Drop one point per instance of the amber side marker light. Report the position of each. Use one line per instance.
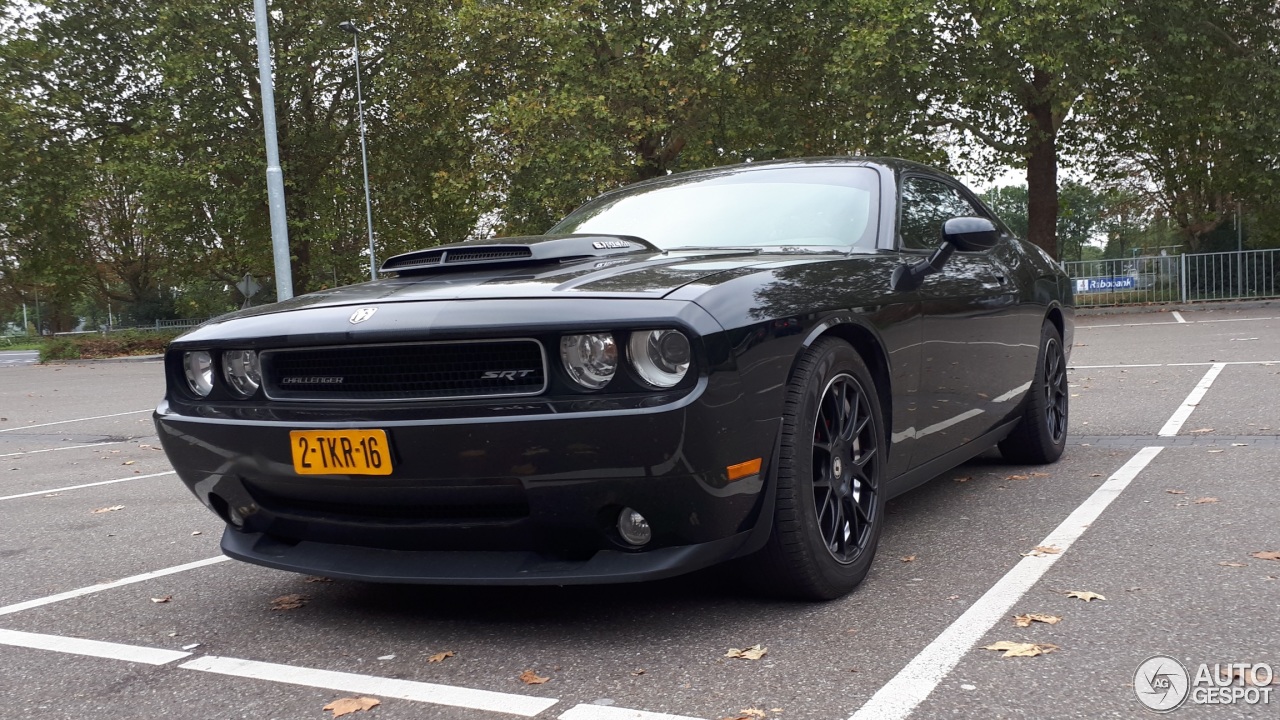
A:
(745, 469)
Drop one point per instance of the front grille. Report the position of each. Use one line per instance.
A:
(420, 371)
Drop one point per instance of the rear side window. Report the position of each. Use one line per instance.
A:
(926, 205)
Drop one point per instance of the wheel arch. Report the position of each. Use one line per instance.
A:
(1055, 316)
(867, 344)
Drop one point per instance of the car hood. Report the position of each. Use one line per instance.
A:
(640, 271)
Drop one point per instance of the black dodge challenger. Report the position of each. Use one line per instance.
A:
(737, 363)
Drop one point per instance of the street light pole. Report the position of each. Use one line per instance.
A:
(275, 177)
(350, 26)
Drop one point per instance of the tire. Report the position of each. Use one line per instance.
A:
(830, 502)
(1041, 434)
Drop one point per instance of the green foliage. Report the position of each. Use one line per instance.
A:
(106, 345)
(131, 161)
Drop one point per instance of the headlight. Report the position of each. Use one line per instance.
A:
(199, 369)
(660, 357)
(591, 360)
(241, 369)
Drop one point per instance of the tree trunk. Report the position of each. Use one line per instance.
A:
(1042, 168)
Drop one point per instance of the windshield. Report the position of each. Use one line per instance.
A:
(769, 207)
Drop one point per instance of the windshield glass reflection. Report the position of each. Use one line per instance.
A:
(767, 207)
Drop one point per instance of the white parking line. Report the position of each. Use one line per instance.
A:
(371, 685)
(1080, 326)
(604, 712)
(86, 485)
(64, 422)
(27, 605)
(1178, 316)
(900, 696)
(92, 648)
(1191, 364)
(1180, 415)
(69, 447)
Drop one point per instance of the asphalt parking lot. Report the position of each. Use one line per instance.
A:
(115, 601)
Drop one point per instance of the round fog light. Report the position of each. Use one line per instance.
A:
(633, 528)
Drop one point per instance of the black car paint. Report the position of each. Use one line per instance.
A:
(576, 458)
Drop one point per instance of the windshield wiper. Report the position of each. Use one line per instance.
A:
(704, 248)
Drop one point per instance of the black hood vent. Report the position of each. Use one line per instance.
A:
(533, 249)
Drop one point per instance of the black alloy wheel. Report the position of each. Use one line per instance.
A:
(1041, 434)
(844, 489)
(1055, 390)
(829, 505)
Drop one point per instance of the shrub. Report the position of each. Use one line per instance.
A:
(109, 345)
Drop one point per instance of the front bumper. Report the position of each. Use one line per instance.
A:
(490, 495)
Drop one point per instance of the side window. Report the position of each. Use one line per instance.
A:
(926, 205)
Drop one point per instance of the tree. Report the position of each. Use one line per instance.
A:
(1196, 125)
(1007, 74)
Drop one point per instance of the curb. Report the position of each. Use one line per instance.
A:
(126, 359)
(1208, 306)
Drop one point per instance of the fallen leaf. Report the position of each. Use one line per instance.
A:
(1217, 451)
(1040, 474)
(52, 495)
(192, 646)
(314, 579)
(529, 677)
(908, 558)
(392, 656)
(1042, 550)
(106, 509)
(1018, 477)
(196, 532)
(755, 652)
(963, 479)
(1202, 430)
(127, 462)
(440, 657)
(1266, 554)
(1017, 649)
(348, 705)
(1228, 563)
(1084, 595)
(639, 671)
(1095, 474)
(1176, 492)
(289, 602)
(1205, 500)
(1239, 444)
(1026, 620)
(753, 713)
(163, 599)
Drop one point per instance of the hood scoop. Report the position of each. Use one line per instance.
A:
(527, 250)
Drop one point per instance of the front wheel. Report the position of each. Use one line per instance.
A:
(830, 501)
(1041, 434)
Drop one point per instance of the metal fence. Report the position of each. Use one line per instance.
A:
(1247, 274)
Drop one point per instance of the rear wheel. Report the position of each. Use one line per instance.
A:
(830, 505)
(1041, 434)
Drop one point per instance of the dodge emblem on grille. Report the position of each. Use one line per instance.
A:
(361, 315)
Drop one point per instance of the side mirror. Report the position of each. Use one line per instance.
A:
(966, 234)
(970, 234)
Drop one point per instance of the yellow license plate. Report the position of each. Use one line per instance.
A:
(340, 452)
